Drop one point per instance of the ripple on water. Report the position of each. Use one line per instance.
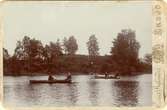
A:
(85, 91)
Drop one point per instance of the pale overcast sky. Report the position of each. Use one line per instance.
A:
(47, 22)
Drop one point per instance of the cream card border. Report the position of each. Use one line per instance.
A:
(159, 50)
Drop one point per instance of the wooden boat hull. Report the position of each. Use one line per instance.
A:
(102, 77)
(49, 82)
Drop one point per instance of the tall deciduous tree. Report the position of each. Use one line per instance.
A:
(125, 51)
(148, 59)
(35, 49)
(6, 55)
(92, 44)
(52, 53)
(19, 51)
(65, 45)
(30, 50)
(46, 53)
(55, 48)
(93, 50)
(72, 45)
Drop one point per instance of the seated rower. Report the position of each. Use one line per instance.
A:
(117, 74)
(68, 76)
(50, 78)
(106, 75)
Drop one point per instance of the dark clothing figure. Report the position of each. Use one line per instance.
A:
(117, 74)
(50, 78)
(106, 75)
(69, 76)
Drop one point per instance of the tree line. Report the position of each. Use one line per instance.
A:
(31, 57)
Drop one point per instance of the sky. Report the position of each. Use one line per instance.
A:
(50, 21)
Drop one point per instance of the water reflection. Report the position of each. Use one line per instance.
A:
(127, 93)
(72, 94)
(85, 91)
(93, 92)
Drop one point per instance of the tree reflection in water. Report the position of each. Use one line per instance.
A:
(85, 91)
(93, 92)
(126, 93)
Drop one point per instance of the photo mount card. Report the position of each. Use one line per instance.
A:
(64, 55)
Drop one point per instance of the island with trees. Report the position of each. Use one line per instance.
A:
(31, 57)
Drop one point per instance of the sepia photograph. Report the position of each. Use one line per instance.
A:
(77, 54)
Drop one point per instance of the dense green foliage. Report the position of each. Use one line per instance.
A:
(31, 57)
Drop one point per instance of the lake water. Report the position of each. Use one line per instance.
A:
(85, 91)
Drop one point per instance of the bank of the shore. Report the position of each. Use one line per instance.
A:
(73, 73)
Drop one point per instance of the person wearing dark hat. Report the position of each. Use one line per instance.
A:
(50, 78)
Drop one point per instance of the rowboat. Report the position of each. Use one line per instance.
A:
(109, 77)
(49, 81)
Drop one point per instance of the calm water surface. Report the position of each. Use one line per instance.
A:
(85, 91)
